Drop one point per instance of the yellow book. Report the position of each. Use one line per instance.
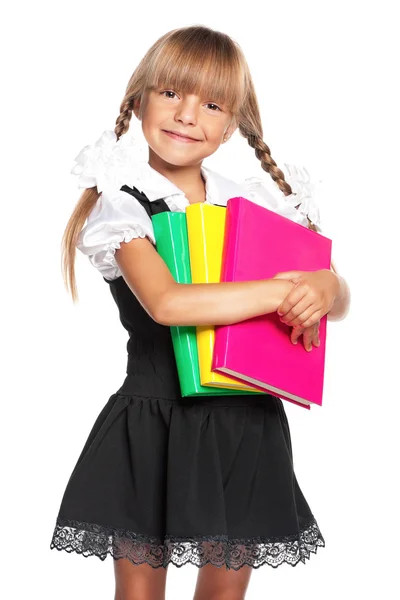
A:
(206, 229)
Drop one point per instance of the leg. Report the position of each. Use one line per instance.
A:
(138, 582)
(216, 583)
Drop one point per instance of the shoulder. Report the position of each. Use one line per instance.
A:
(116, 217)
(117, 206)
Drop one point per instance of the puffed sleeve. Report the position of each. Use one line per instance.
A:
(116, 217)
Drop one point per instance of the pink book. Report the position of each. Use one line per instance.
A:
(258, 244)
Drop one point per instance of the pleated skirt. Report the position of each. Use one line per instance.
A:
(188, 481)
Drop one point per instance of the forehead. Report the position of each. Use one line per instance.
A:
(210, 79)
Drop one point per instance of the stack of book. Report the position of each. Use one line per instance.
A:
(243, 242)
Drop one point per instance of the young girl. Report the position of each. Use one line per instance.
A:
(163, 479)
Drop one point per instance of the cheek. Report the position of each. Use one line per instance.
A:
(215, 133)
(152, 114)
(150, 127)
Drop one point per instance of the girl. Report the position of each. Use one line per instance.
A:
(163, 479)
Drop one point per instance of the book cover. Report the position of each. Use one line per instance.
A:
(258, 244)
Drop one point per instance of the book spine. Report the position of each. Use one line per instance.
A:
(196, 230)
(227, 274)
(230, 248)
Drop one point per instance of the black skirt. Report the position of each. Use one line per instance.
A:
(187, 481)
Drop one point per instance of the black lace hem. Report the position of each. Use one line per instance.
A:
(90, 539)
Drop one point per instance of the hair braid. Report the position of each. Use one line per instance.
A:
(84, 207)
(250, 127)
(263, 153)
(125, 115)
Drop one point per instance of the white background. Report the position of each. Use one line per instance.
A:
(326, 75)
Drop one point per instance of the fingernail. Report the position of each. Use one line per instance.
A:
(295, 342)
(280, 313)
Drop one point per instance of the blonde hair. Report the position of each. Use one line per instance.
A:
(193, 59)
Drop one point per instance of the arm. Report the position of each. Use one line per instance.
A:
(171, 303)
(341, 304)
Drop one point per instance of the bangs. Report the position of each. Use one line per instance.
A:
(209, 66)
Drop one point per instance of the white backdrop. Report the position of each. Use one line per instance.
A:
(326, 77)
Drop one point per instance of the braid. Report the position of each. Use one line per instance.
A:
(250, 127)
(125, 115)
(263, 153)
(85, 205)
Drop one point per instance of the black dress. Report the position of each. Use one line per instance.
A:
(164, 479)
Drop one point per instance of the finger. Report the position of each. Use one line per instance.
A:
(301, 290)
(311, 333)
(292, 318)
(311, 336)
(295, 334)
(302, 319)
(307, 338)
(313, 319)
(294, 296)
(315, 340)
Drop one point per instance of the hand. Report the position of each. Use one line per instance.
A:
(310, 336)
(311, 298)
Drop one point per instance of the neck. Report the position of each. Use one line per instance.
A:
(186, 178)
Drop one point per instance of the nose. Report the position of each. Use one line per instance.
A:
(187, 110)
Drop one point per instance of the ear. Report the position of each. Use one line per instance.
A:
(136, 108)
(230, 130)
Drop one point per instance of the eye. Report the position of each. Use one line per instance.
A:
(215, 105)
(168, 92)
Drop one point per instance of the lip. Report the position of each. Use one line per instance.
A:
(180, 137)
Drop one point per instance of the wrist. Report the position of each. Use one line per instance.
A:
(281, 288)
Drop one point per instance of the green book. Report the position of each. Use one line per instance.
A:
(170, 232)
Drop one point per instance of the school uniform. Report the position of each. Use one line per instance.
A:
(164, 479)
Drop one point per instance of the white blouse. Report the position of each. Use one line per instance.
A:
(118, 217)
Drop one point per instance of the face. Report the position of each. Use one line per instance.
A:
(204, 122)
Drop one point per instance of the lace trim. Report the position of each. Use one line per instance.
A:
(90, 539)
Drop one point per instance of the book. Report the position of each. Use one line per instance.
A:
(258, 244)
(170, 232)
(206, 229)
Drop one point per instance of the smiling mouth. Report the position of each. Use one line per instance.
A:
(178, 136)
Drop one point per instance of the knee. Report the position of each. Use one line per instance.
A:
(138, 582)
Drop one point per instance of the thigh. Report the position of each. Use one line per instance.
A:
(138, 582)
(216, 583)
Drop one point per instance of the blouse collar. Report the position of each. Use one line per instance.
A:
(217, 187)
